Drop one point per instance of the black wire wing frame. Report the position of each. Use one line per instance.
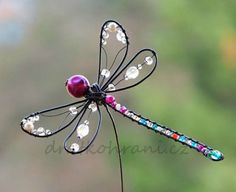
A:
(83, 104)
(67, 147)
(61, 127)
(118, 74)
(102, 51)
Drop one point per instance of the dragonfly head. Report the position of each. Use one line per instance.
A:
(77, 86)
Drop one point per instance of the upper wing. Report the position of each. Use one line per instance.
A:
(51, 121)
(113, 50)
(139, 68)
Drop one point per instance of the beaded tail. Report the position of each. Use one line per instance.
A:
(207, 151)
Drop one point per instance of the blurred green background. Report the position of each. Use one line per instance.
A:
(42, 43)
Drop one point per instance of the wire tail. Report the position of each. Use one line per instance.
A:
(207, 151)
(118, 147)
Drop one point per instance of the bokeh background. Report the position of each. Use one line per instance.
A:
(42, 43)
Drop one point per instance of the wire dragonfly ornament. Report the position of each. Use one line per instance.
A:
(114, 75)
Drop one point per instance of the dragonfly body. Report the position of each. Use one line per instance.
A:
(114, 74)
(210, 153)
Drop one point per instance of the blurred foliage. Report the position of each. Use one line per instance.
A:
(193, 91)
(204, 39)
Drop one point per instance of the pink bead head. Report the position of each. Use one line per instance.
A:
(77, 86)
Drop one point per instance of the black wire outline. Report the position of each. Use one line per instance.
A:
(51, 109)
(54, 115)
(122, 79)
(118, 147)
(100, 48)
(58, 107)
(106, 58)
(75, 127)
(125, 67)
(86, 102)
(114, 60)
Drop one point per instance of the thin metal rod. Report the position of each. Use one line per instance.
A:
(118, 147)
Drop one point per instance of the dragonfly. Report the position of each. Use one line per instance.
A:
(116, 73)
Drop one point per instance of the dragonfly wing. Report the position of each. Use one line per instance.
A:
(139, 68)
(112, 51)
(84, 131)
(51, 121)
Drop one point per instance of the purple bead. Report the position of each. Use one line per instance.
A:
(77, 85)
(123, 109)
(110, 99)
(201, 148)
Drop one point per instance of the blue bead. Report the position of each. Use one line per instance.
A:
(154, 126)
(143, 121)
(193, 144)
(216, 155)
(182, 139)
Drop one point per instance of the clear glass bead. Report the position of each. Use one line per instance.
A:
(41, 131)
(105, 73)
(48, 132)
(118, 106)
(73, 110)
(111, 87)
(93, 107)
(124, 40)
(31, 119)
(120, 36)
(131, 73)
(104, 42)
(105, 34)
(140, 66)
(74, 147)
(112, 27)
(119, 30)
(168, 133)
(189, 142)
(28, 126)
(24, 121)
(82, 130)
(36, 118)
(148, 60)
(86, 122)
